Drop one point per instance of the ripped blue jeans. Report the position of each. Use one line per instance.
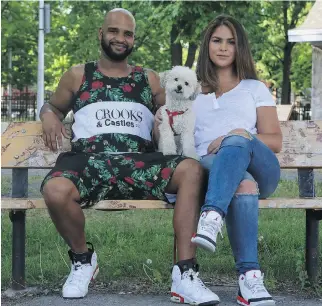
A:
(240, 159)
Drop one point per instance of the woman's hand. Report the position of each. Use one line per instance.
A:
(241, 132)
(215, 145)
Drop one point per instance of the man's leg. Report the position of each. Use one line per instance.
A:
(188, 182)
(61, 198)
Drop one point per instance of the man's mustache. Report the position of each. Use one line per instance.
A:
(119, 44)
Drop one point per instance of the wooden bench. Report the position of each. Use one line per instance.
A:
(23, 149)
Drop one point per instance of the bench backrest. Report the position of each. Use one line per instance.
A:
(284, 112)
(23, 147)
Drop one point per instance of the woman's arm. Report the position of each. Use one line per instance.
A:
(268, 128)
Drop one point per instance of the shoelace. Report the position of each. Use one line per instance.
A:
(193, 276)
(213, 227)
(77, 275)
(257, 284)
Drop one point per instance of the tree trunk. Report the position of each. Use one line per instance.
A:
(176, 48)
(286, 85)
(191, 55)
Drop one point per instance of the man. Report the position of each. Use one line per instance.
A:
(113, 157)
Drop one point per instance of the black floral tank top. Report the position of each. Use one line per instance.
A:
(113, 114)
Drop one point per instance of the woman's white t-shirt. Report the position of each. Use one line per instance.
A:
(235, 109)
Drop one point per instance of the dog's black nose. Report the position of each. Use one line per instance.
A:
(179, 87)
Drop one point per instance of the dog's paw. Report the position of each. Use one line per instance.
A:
(192, 155)
(195, 156)
(169, 152)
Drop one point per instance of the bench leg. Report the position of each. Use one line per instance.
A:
(18, 219)
(312, 245)
(306, 188)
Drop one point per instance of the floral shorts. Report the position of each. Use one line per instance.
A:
(102, 176)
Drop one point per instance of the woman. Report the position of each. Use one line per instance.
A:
(237, 133)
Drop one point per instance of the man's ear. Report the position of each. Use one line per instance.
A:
(196, 92)
(164, 78)
(100, 33)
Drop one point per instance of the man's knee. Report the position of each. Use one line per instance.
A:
(247, 187)
(59, 190)
(190, 168)
(188, 172)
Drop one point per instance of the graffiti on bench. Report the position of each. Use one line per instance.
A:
(23, 146)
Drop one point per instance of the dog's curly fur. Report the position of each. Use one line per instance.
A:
(181, 89)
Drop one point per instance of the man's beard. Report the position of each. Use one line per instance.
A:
(118, 57)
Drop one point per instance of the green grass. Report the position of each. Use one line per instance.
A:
(126, 240)
(5, 185)
(33, 182)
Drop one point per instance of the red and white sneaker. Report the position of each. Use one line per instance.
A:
(252, 291)
(84, 269)
(188, 288)
(209, 225)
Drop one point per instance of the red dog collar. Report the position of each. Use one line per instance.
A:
(173, 114)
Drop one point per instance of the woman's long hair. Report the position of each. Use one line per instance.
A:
(244, 67)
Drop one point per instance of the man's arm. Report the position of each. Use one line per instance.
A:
(158, 99)
(60, 104)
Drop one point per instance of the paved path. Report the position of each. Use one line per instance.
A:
(226, 294)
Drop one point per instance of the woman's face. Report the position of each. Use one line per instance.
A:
(222, 49)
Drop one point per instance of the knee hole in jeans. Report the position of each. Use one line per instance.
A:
(247, 187)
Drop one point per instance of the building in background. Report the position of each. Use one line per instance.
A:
(311, 31)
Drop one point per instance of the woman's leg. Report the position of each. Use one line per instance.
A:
(242, 225)
(242, 216)
(238, 154)
(242, 228)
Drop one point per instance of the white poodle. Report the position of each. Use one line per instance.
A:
(178, 120)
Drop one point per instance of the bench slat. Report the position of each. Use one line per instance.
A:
(23, 204)
(22, 145)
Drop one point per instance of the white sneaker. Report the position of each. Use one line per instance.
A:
(188, 288)
(252, 291)
(84, 270)
(210, 224)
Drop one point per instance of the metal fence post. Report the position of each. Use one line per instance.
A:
(18, 219)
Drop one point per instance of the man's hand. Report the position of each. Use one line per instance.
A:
(53, 129)
(157, 122)
(214, 146)
(158, 117)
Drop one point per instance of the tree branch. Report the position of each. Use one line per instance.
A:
(296, 12)
(4, 6)
(140, 42)
(274, 54)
